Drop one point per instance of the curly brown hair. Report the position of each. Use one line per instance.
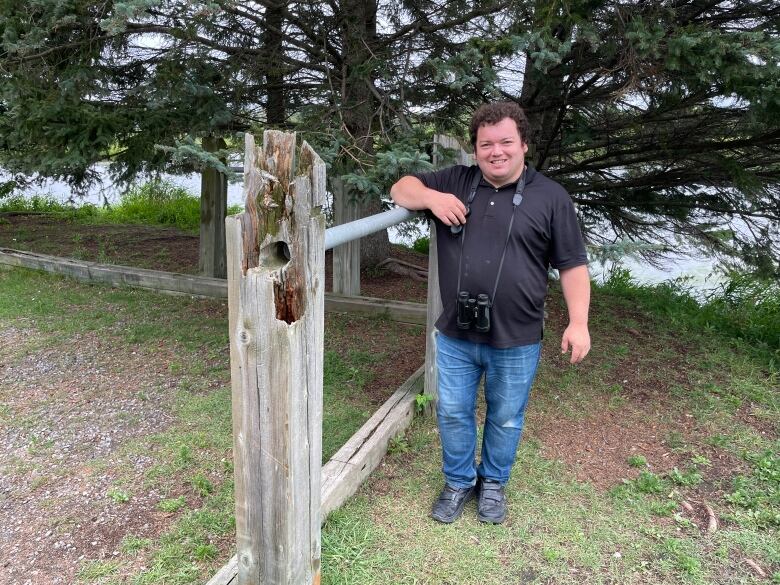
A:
(493, 113)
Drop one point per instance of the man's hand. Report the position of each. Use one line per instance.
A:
(575, 283)
(448, 208)
(411, 193)
(578, 338)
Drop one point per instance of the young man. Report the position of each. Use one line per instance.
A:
(498, 225)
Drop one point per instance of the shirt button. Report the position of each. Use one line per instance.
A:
(492, 203)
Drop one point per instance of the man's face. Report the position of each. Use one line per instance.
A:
(500, 152)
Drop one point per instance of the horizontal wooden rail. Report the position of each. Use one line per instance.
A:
(176, 283)
(360, 455)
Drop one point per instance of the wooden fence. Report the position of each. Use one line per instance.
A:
(276, 303)
(275, 289)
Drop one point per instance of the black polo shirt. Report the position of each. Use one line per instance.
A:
(545, 232)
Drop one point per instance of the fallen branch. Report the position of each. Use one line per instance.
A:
(404, 269)
(712, 524)
(756, 569)
(687, 507)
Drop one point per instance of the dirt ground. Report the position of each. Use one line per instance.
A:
(86, 402)
(166, 249)
(80, 406)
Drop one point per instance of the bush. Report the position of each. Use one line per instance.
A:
(746, 307)
(422, 245)
(157, 203)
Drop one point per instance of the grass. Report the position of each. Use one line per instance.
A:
(710, 389)
(746, 308)
(191, 464)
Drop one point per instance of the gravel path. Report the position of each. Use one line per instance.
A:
(66, 410)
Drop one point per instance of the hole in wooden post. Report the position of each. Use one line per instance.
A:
(275, 255)
(283, 251)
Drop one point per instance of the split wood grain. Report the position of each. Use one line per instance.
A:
(276, 278)
(349, 467)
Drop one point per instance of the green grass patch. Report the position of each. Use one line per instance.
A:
(158, 203)
(746, 308)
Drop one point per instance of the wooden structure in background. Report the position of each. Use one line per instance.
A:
(213, 209)
(346, 258)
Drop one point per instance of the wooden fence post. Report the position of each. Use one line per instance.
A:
(434, 298)
(346, 258)
(276, 275)
(213, 208)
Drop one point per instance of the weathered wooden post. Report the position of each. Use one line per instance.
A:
(213, 208)
(276, 274)
(434, 298)
(346, 258)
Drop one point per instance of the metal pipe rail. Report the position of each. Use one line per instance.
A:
(354, 230)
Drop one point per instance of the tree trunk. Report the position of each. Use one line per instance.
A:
(213, 209)
(275, 113)
(543, 98)
(358, 105)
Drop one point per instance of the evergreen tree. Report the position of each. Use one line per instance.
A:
(661, 118)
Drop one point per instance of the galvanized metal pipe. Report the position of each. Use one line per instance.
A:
(346, 232)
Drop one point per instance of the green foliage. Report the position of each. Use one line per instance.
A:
(393, 160)
(398, 445)
(156, 203)
(96, 570)
(118, 495)
(133, 544)
(171, 505)
(757, 496)
(421, 401)
(422, 245)
(637, 461)
(153, 203)
(688, 478)
(648, 483)
(6, 188)
(202, 485)
(47, 204)
(682, 554)
(747, 307)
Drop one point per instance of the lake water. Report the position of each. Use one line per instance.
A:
(700, 271)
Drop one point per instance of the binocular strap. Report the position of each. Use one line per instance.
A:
(516, 200)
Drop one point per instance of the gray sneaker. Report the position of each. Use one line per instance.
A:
(491, 503)
(449, 505)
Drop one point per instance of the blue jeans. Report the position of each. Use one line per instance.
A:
(509, 373)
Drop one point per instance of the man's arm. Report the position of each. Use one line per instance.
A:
(575, 283)
(411, 193)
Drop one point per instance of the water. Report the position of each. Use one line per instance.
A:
(700, 271)
(61, 191)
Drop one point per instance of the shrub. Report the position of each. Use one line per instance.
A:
(422, 245)
(157, 203)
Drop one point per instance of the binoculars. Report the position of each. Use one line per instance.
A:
(474, 312)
